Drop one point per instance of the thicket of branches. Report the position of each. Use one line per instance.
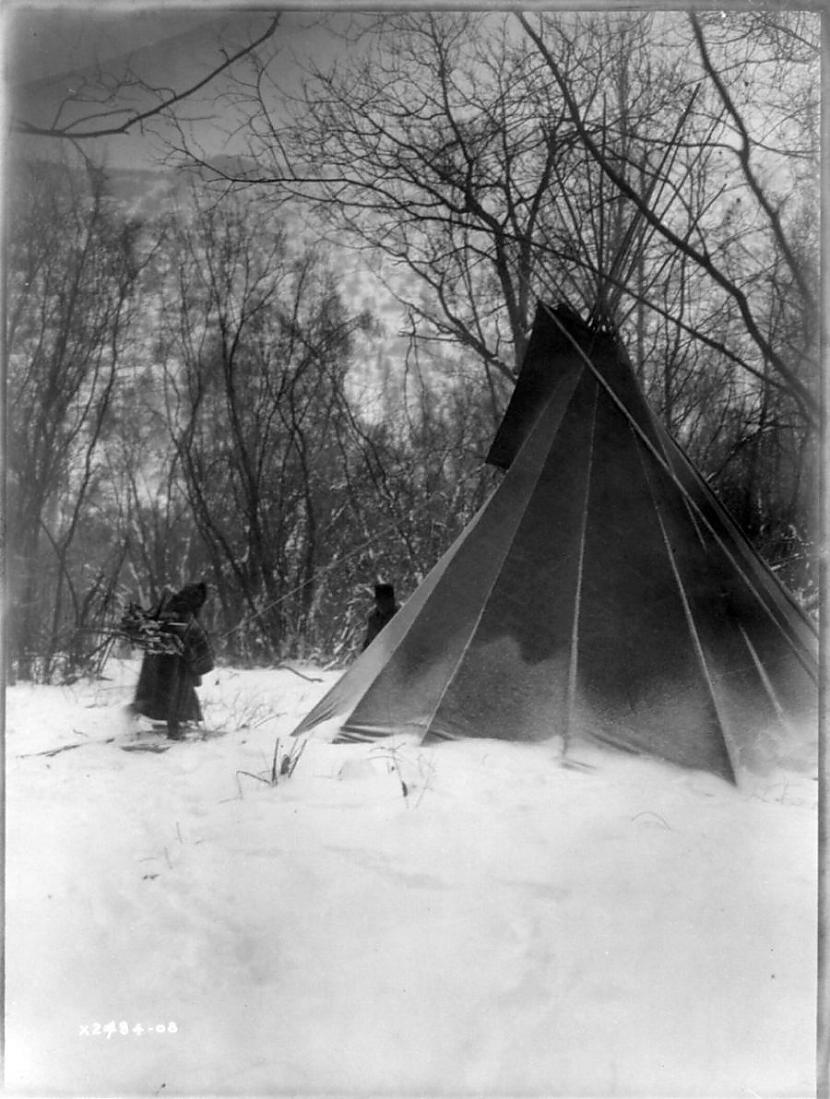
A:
(186, 401)
(187, 391)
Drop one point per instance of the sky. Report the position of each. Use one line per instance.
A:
(50, 52)
(47, 43)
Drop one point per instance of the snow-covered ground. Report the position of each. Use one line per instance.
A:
(508, 926)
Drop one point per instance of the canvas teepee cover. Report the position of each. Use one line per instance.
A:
(602, 591)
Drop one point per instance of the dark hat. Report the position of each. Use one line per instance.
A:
(384, 591)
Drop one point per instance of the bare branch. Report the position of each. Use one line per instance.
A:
(744, 158)
(703, 259)
(72, 130)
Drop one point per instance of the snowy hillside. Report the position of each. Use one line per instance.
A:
(469, 919)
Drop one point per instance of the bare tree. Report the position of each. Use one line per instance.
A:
(484, 161)
(256, 347)
(426, 150)
(444, 148)
(72, 267)
(733, 279)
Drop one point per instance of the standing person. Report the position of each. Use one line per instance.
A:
(384, 611)
(166, 685)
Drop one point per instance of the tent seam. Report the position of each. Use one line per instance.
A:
(690, 621)
(773, 612)
(508, 547)
(573, 659)
(672, 475)
(767, 682)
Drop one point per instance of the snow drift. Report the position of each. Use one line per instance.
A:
(472, 918)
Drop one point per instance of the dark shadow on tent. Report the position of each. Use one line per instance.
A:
(601, 592)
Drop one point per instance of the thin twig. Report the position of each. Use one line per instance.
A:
(250, 774)
(308, 678)
(65, 748)
(294, 758)
(651, 813)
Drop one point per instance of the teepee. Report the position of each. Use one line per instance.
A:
(601, 592)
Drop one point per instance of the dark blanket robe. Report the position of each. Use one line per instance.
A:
(167, 682)
(166, 690)
(379, 618)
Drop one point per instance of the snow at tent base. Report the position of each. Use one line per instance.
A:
(513, 925)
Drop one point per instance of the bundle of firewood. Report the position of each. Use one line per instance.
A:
(144, 631)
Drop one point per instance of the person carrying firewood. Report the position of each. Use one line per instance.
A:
(176, 659)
